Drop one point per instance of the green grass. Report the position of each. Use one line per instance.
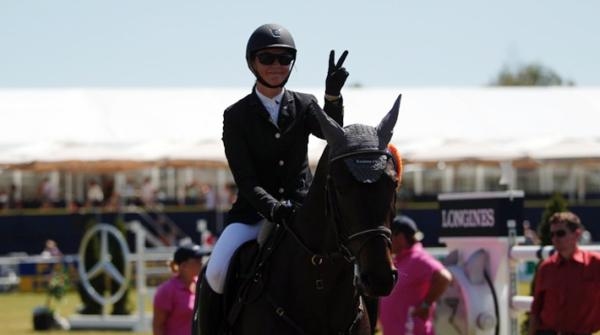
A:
(16, 314)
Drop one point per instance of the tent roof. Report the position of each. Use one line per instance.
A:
(185, 124)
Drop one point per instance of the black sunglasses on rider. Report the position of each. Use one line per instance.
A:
(558, 233)
(267, 58)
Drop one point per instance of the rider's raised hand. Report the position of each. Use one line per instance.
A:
(336, 74)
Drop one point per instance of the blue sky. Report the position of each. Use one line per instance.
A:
(201, 43)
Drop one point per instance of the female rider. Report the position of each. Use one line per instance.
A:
(265, 135)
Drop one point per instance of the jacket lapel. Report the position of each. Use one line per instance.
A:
(287, 112)
(260, 109)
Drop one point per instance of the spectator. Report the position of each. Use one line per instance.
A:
(128, 192)
(51, 249)
(409, 309)
(181, 195)
(95, 195)
(3, 199)
(209, 197)
(174, 299)
(14, 199)
(148, 193)
(191, 193)
(530, 234)
(566, 298)
(47, 193)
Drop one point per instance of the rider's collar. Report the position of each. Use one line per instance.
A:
(266, 101)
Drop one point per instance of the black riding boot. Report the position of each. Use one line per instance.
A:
(208, 315)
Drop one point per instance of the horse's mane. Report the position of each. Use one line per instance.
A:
(317, 185)
(398, 160)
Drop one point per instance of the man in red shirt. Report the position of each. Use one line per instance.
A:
(566, 300)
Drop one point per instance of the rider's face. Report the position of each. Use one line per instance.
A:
(274, 73)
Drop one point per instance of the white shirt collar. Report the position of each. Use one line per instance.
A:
(268, 101)
(271, 105)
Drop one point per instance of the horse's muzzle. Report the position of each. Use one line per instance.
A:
(378, 285)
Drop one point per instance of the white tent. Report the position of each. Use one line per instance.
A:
(184, 124)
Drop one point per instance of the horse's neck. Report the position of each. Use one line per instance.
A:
(329, 296)
(314, 224)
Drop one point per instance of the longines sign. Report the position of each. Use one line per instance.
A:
(480, 214)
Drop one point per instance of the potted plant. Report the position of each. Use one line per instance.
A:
(46, 317)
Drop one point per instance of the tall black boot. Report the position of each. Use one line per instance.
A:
(209, 314)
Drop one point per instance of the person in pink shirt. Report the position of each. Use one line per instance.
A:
(174, 299)
(422, 279)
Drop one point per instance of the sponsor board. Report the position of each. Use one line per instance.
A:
(480, 214)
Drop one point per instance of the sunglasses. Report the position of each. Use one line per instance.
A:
(558, 233)
(267, 58)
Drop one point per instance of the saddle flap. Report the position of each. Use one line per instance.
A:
(240, 269)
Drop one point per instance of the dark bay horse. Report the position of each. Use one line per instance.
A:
(336, 249)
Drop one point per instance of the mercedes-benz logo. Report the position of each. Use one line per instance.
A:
(104, 264)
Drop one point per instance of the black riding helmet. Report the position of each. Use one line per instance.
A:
(269, 36)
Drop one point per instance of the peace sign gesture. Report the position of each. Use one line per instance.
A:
(336, 74)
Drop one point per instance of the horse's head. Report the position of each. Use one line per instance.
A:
(361, 189)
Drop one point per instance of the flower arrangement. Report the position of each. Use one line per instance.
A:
(58, 286)
(46, 317)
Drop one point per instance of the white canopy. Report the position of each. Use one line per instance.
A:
(170, 124)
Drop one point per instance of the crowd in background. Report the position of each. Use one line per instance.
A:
(101, 192)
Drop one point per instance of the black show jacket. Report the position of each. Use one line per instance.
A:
(269, 162)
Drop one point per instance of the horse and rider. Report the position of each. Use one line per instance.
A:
(324, 239)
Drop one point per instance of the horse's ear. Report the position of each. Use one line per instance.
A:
(385, 129)
(332, 131)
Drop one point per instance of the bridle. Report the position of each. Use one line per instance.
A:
(331, 207)
(342, 241)
(365, 235)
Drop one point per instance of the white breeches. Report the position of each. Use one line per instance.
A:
(234, 235)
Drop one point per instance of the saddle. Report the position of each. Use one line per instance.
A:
(248, 272)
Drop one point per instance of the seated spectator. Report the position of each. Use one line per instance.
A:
(51, 249)
(47, 193)
(95, 195)
(3, 199)
(148, 193)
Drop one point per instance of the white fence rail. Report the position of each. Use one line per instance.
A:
(531, 253)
